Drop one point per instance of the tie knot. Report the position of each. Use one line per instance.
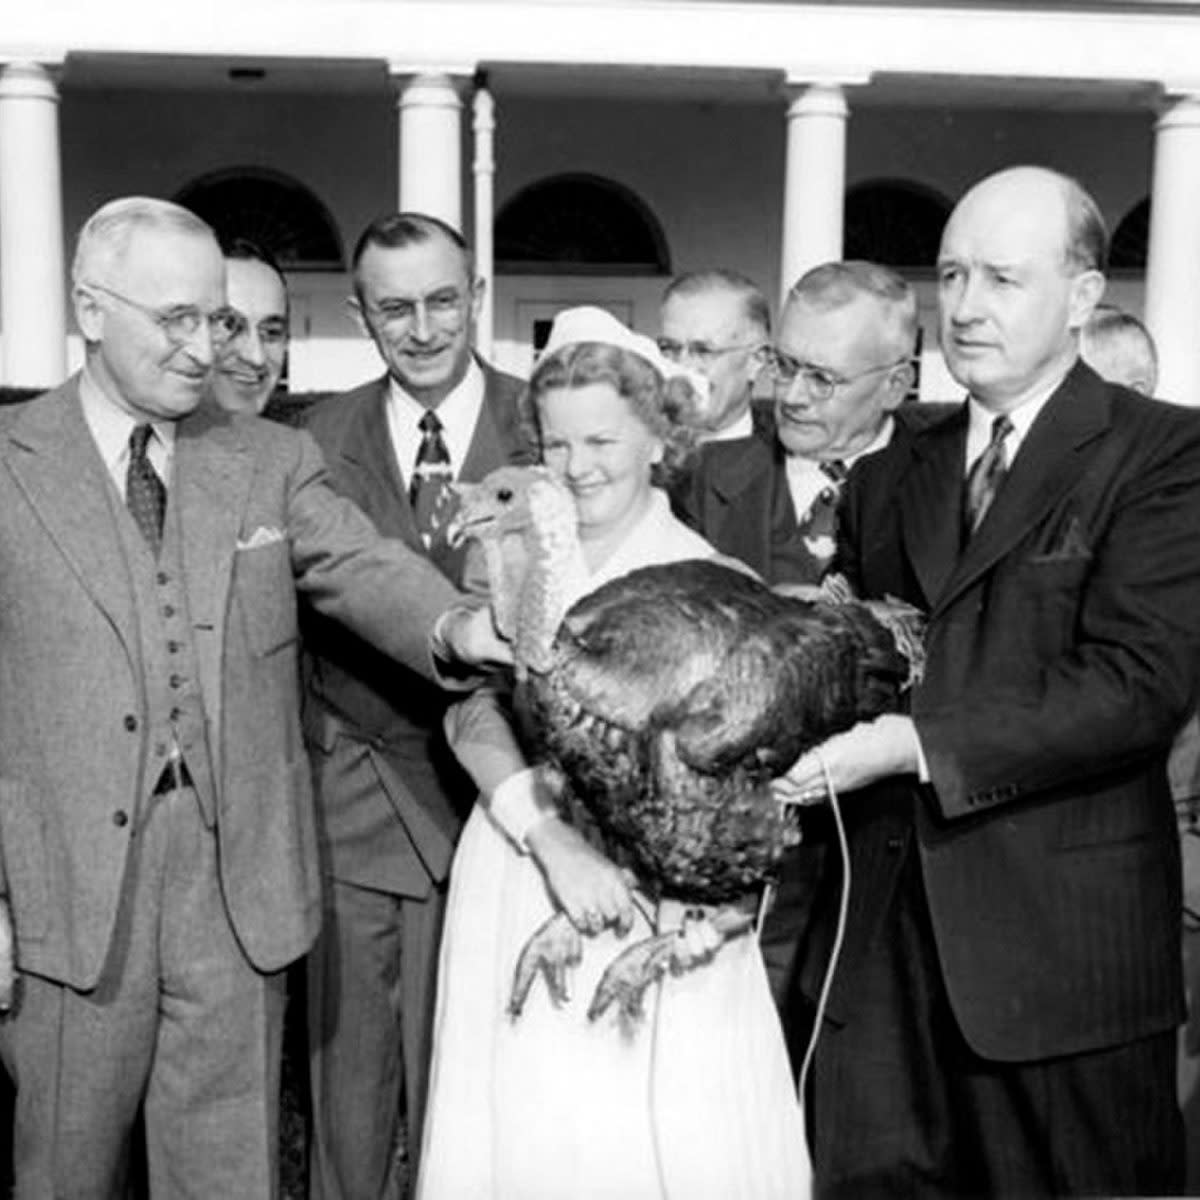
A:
(1001, 428)
(138, 440)
(430, 423)
(835, 469)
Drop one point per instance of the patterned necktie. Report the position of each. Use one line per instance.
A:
(429, 491)
(145, 495)
(820, 521)
(985, 477)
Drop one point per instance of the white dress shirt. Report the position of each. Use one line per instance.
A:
(458, 413)
(111, 426)
(980, 419)
(806, 481)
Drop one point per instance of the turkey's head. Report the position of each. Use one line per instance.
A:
(525, 520)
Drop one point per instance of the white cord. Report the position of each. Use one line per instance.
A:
(839, 935)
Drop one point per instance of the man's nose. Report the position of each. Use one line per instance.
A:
(964, 300)
(200, 346)
(250, 346)
(421, 329)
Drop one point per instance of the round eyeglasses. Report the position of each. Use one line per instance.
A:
(819, 382)
(704, 353)
(180, 322)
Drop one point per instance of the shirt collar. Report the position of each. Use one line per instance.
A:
(800, 464)
(111, 425)
(980, 419)
(458, 407)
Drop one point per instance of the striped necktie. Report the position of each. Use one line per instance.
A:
(985, 477)
(820, 520)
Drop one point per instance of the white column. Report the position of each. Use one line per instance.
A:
(484, 168)
(815, 179)
(431, 147)
(32, 277)
(1173, 261)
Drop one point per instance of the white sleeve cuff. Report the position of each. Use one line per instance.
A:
(922, 765)
(522, 801)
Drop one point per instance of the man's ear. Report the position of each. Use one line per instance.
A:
(899, 384)
(89, 313)
(757, 360)
(1087, 290)
(355, 309)
(478, 290)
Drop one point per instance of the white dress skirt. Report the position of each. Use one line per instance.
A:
(694, 1103)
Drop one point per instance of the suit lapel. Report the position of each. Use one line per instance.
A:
(379, 488)
(930, 503)
(489, 446)
(1047, 465)
(54, 460)
(213, 471)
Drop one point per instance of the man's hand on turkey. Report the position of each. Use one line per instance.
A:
(864, 754)
(469, 636)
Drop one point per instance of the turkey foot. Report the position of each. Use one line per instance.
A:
(552, 950)
(636, 968)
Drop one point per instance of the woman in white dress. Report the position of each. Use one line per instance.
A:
(697, 1101)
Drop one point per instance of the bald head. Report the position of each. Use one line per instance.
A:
(1019, 272)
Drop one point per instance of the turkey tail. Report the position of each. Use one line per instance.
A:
(906, 624)
(903, 622)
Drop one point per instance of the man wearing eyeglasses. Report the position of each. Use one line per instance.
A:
(1002, 1021)
(841, 367)
(717, 323)
(390, 798)
(250, 362)
(158, 858)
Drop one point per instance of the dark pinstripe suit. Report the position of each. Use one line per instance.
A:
(1029, 898)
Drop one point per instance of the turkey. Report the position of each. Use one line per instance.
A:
(667, 700)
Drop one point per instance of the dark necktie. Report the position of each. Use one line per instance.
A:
(145, 495)
(820, 521)
(985, 477)
(429, 491)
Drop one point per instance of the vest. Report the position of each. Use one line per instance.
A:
(174, 714)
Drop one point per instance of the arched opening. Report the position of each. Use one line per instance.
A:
(1130, 239)
(894, 222)
(270, 209)
(578, 224)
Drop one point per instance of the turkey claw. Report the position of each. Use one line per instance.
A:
(552, 950)
(628, 976)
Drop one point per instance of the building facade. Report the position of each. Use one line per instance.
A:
(592, 148)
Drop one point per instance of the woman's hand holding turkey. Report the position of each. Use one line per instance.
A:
(593, 891)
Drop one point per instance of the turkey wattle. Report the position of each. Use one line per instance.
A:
(668, 699)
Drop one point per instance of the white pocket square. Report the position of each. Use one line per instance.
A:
(264, 535)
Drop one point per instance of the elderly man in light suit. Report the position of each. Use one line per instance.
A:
(157, 842)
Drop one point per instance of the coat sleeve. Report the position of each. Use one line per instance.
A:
(380, 588)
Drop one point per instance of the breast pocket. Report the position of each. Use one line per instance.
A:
(266, 595)
(1051, 588)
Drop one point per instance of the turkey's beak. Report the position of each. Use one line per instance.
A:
(463, 525)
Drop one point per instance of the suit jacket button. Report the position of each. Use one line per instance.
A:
(895, 844)
(120, 818)
(130, 722)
